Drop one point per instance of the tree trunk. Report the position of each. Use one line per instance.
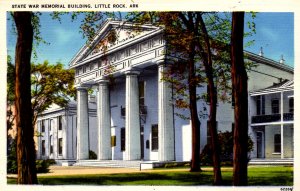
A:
(195, 163)
(25, 142)
(207, 60)
(240, 92)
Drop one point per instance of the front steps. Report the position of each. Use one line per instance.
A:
(109, 163)
(288, 161)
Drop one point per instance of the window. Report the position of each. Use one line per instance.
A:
(277, 143)
(59, 122)
(43, 147)
(51, 145)
(291, 105)
(275, 106)
(154, 137)
(123, 139)
(43, 125)
(50, 124)
(260, 105)
(60, 147)
(142, 92)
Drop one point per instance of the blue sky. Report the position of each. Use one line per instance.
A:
(274, 32)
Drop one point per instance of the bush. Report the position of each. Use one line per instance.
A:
(226, 149)
(12, 166)
(42, 166)
(92, 155)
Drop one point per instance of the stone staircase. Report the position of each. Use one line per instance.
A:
(109, 163)
(288, 161)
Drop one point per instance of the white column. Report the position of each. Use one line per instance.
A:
(132, 119)
(104, 127)
(281, 124)
(166, 147)
(82, 124)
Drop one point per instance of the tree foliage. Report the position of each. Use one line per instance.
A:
(50, 84)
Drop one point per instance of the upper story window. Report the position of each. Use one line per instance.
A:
(60, 122)
(43, 125)
(142, 92)
(260, 105)
(291, 105)
(50, 124)
(275, 106)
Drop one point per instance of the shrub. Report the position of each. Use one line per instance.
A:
(226, 149)
(42, 166)
(12, 166)
(92, 155)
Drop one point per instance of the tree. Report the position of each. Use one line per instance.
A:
(189, 47)
(25, 142)
(50, 84)
(240, 92)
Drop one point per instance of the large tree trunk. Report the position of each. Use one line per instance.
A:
(240, 92)
(207, 60)
(195, 163)
(25, 142)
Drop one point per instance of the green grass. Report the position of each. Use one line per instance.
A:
(257, 176)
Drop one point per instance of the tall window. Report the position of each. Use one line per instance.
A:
(60, 122)
(277, 143)
(154, 137)
(60, 146)
(260, 105)
(123, 139)
(50, 124)
(43, 125)
(142, 92)
(51, 145)
(43, 147)
(291, 105)
(275, 106)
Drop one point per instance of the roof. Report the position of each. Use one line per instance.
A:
(285, 85)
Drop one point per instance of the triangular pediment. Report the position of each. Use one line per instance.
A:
(111, 35)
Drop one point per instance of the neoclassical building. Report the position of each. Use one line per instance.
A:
(132, 116)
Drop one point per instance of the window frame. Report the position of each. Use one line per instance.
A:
(154, 137)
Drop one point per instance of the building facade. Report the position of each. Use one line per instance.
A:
(133, 118)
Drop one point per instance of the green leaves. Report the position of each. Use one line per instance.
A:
(50, 84)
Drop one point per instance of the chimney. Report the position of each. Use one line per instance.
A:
(261, 53)
(281, 61)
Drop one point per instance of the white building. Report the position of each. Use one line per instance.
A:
(133, 118)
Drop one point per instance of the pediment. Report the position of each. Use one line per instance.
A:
(112, 35)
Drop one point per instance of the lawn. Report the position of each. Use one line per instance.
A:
(257, 176)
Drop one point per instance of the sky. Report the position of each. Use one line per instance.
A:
(274, 33)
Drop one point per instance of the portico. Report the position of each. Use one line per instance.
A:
(126, 58)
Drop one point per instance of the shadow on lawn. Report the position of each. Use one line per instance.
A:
(132, 179)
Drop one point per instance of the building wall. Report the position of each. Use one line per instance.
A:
(265, 75)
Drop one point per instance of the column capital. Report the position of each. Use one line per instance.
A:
(101, 80)
(81, 88)
(131, 71)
